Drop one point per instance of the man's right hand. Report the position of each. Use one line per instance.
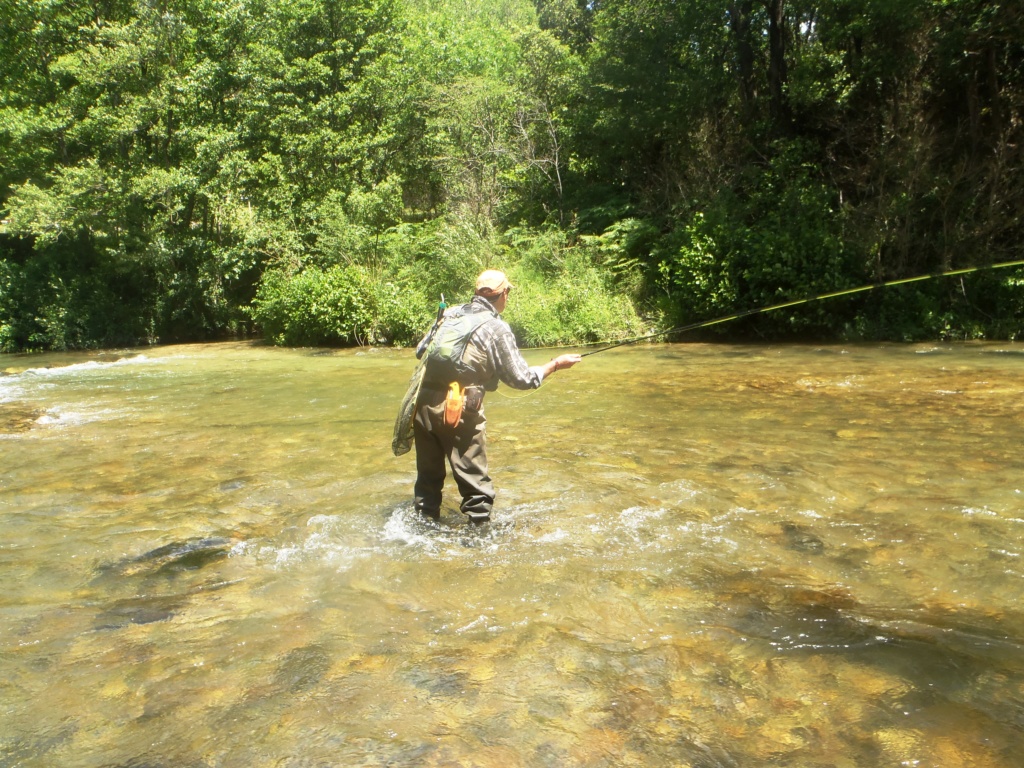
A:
(566, 361)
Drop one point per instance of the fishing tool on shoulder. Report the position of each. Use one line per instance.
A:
(454, 402)
(442, 306)
(401, 440)
(784, 305)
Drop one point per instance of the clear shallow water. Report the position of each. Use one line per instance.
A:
(701, 555)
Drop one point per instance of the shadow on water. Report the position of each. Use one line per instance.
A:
(151, 606)
(795, 618)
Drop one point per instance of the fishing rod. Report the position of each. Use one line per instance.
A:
(818, 297)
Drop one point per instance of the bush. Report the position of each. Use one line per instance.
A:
(781, 240)
(333, 306)
(946, 308)
(572, 302)
(436, 257)
(561, 295)
(71, 294)
(65, 296)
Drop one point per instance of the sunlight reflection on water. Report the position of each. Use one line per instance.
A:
(701, 555)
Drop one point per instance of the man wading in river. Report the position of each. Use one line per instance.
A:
(468, 351)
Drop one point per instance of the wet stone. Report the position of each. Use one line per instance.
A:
(699, 755)
(546, 708)
(548, 755)
(156, 762)
(41, 743)
(631, 708)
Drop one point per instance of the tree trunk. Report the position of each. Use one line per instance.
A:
(777, 65)
(739, 26)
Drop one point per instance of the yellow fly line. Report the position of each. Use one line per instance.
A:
(784, 305)
(772, 308)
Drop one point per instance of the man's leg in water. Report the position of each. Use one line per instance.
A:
(468, 457)
(430, 458)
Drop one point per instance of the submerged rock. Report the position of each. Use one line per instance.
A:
(179, 556)
(16, 418)
(802, 540)
(302, 669)
(139, 610)
(438, 682)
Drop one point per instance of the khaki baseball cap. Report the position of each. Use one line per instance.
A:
(492, 282)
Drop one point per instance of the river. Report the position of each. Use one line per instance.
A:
(701, 555)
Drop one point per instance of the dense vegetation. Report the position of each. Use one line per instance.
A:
(322, 170)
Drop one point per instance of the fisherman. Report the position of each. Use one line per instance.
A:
(468, 351)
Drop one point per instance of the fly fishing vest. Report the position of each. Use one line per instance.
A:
(447, 350)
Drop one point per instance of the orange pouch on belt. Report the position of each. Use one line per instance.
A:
(453, 404)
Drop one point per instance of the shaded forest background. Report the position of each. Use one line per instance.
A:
(321, 171)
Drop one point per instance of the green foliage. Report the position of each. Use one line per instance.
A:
(562, 296)
(793, 245)
(623, 249)
(159, 162)
(695, 271)
(452, 254)
(950, 310)
(783, 240)
(12, 292)
(333, 306)
(52, 303)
